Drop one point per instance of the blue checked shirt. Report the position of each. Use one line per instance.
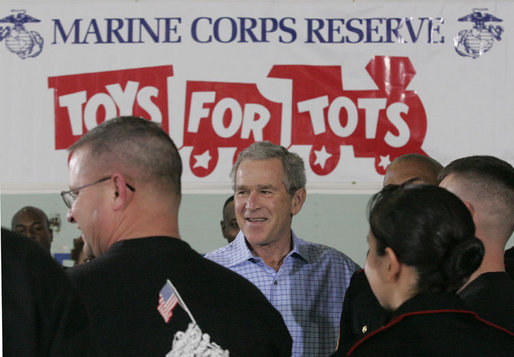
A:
(308, 289)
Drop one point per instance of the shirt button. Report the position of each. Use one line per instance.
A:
(275, 282)
(364, 329)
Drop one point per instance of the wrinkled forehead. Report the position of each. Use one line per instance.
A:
(29, 216)
(267, 169)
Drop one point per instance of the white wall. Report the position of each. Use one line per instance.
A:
(335, 220)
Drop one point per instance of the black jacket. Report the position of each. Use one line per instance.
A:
(362, 313)
(436, 325)
(41, 313)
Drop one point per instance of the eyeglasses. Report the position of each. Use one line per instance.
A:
(70, 196)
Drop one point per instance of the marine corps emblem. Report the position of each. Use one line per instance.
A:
(478, 40)
(17, 39)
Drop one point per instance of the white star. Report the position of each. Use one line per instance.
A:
(321, 157)
(202, 160)
(384, 161)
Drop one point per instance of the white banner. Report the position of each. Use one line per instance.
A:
(349, 86)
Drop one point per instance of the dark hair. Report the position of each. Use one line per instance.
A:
(430, 229)
(294, 169)
(483, 168)
(490, 179)
(227, 201)
(138, 145)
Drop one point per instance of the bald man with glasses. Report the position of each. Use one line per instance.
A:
(148, 293)
(70, 195)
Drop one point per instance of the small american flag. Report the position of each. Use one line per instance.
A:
(167, 301)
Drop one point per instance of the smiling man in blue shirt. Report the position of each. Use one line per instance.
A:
(304, 281)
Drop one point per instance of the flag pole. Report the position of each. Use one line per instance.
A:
(181, 302)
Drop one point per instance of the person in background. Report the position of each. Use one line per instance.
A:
(362, 313)
(415, 167)
(422, 249)
(305, 281)
(42, 315)
(79, 253)
(486, 185)
(229, 227)
(147, 291)
(33, 223)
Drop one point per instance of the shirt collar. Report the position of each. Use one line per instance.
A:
(301, 249)
(243, 253)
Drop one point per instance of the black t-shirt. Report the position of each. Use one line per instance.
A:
(121, 290)
(491, 295)
(41, 313)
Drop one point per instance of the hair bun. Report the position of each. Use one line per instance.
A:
(462, 260)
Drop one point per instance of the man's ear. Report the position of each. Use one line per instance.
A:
(393, 265)
(299, 198)
(121, 198)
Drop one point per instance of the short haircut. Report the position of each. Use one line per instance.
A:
(227, 201)
(430, 229)
(34, 210)
(490, 178)
(138, 146)
(294, 169)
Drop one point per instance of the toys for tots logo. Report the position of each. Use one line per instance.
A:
(381, 123)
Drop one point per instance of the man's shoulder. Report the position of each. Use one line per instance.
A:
(491, 296)
(500, 279)
(133, 257)
(229, 254)
(224, 251)
(490, 284)
(317, 252)
(84, 274)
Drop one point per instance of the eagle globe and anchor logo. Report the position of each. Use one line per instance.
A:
(478, 40)
(17, 38)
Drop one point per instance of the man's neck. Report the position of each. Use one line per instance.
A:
(273, 254)
(493, 261)
(158, 223)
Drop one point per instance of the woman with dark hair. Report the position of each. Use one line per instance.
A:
(422, 249)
